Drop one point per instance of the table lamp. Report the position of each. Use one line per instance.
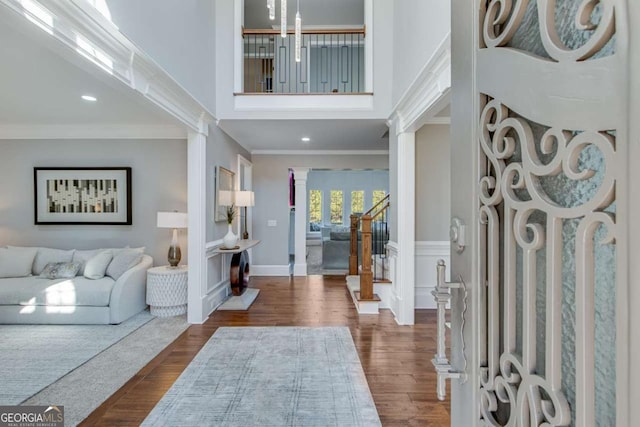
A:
(245, 199)
(173, 220)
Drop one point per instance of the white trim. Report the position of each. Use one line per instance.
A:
(300, 177)
(427, 255)
(98, 131)
(368, 46)
(405, 270)
(198, 309)
(286, 107)
(320, 152)
(238, 46)
(130, 65)
(269, 270)
(438, 121)
(216, 295)
(209, 246)
(428, 94)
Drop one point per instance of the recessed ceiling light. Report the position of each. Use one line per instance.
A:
(306, 139)
(89, 98)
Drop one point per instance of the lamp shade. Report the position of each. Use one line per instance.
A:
(225, 198)
(172, 220)
(245, 198)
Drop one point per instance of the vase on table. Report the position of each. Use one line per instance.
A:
(230, 240)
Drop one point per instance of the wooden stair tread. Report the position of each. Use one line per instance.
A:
(375, 298)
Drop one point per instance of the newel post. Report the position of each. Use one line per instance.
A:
(366, 275)
(353, 251)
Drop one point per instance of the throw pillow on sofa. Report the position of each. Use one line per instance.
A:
(46, 256)
(96, 267)
(60, 270)
(123, 261)
(16, 262)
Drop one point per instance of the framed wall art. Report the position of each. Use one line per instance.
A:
(83, 195)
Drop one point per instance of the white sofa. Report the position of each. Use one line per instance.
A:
(76, 300)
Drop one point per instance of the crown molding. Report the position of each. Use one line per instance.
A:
(84, 131)
(438, 121)
(321, 152)
(427, 94)
(125, 62)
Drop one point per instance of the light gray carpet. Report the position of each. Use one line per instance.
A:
(275, 376)
(34, 356)
(88, 386)
(314, 260)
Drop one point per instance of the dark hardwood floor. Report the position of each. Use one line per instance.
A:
(396, 359)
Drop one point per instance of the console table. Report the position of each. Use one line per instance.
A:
(239, 270)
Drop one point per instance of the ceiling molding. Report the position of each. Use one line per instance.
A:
(438, 121)
(116, 55)
(321, 152)
(84, 131)
(427, 94)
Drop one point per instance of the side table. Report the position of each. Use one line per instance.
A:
(167, 290)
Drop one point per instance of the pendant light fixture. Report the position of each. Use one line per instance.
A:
(271, 5)
(283, 18)
(298, 32)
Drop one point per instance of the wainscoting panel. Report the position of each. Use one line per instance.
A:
(427, 255)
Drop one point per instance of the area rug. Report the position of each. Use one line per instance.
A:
(272, 376)
(85, 388)
(34, 356)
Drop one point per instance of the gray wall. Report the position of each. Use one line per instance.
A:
(159, 183)
(222, 150)
(433, 183)
(178, 35)
(271, 187)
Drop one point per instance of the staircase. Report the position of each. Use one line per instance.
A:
(369, 276)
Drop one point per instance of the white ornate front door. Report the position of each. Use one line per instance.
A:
(539, 136)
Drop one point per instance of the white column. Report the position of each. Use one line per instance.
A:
(300, 265)
(405, 266)
(197, 203)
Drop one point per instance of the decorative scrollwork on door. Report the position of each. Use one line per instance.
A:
(503, 18)
(520, 220)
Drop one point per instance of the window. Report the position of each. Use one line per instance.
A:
(378, 195)
(315, 210)
(357, 201)
(336, 206)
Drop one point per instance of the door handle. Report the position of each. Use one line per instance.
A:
(442, 295)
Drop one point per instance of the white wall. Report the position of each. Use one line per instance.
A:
(159, 183)
(178, 35)
(433, 183)
(347, 181)
(419, 26)
(271, 187)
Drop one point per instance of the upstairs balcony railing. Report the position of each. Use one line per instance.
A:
(331, 61)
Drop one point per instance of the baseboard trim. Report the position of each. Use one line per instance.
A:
(270, 270)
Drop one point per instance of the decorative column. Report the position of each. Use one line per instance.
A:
(300, 264)
(405, 266)
(197, 204)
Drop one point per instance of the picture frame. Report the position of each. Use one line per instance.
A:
(224, 186)
(82, 196)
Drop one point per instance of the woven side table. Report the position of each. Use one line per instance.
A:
(167, 290)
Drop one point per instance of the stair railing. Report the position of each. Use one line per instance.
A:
(373, 241)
